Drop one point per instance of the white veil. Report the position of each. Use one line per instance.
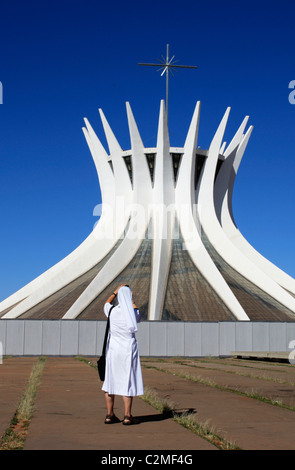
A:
(125, 303)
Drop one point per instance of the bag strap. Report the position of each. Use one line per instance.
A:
(107, 331)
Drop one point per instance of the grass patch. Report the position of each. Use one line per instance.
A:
(16, 433)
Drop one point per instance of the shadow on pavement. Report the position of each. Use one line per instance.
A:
(167, 415)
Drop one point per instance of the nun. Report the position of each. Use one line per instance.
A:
(123, 370)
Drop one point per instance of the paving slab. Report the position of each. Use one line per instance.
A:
(70, 410)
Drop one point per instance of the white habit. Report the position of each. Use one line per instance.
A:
(123, 370)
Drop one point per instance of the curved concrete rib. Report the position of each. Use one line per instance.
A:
(96, 246)
(221, 185)
(227, 250)
(223, 191)
(163, 215)
(185, 201)
(235, 142)
(139, 221)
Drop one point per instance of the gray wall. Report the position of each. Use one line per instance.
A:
(78, 337)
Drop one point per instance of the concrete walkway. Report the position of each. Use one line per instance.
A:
(70, 409)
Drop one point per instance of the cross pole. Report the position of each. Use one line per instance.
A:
(167, 65)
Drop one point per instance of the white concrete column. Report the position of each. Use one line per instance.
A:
(163, 218)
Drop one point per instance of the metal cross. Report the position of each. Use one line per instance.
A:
(166, 66)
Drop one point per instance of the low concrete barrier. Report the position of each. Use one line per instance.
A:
(263, 355)
(155, 338)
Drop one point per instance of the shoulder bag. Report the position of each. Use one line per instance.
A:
(101, 363)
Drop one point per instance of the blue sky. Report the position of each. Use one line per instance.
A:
(62, 60)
